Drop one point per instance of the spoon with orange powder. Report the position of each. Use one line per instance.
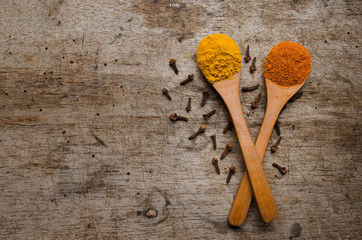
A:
(286, 69)
(219, 59)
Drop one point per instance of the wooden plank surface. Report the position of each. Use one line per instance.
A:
(86, 146)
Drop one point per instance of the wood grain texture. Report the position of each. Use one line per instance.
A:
(87, 148)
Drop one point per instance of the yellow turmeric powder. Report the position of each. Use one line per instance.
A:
(218, 57)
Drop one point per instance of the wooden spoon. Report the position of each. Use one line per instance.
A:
(278, 96)
(229, 91)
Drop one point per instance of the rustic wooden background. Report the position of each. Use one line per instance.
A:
(86, 146)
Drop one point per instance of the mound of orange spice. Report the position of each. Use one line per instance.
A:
(288, 64)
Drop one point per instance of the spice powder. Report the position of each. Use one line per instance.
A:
(288, 64)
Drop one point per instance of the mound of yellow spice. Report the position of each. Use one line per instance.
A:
(218, 57)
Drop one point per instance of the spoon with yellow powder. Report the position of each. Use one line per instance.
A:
(286, 69)
(219, 59)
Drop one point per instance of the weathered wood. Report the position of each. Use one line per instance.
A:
(87, 148)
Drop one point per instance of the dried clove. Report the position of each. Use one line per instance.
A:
(228, 127)
(232, 170)
(174, 117)
(253, 67)
(249, 89)
(216, 164)
(277, 127)
(172, 63)
(187, 80)
(201, 130)
(188, 107)
(282, 170)
(213, 138)
(209, 114)
(227, 149)
(256, 101)
(295, 96)
(247, 57)
(274, 148)
(165, 92)
(205, 95)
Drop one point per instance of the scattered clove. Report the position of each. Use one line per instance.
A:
(256, 101)
(277, 127)
(213, 138)
(232, 170)
(201, 130)
(174, 117)
(249, 89)
(209, 114)
(172, 63)
(282, 170)
(274, 148)
(187, 80)
(205, 95)
(247, 57)
(216, 164)
(228, 127)
(296, 96)
(253, 67)
(165, 92)
(227, 149)
(188, 107)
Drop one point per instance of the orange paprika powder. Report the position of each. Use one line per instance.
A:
(288, 64)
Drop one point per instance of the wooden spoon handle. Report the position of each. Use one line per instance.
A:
(263, 195)
(244, 195)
